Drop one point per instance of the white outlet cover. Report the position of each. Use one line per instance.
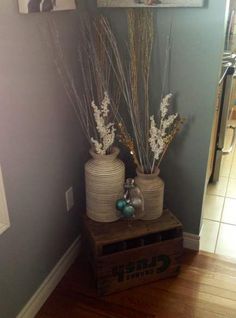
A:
(69, 199)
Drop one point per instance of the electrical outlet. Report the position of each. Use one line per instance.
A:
(69, 199)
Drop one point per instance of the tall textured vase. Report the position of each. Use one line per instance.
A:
(104, 179)
(152, 188)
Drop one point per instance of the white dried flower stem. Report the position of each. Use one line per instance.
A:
(106, 131)
(158, 135)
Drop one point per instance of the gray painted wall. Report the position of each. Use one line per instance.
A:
(198, 40)
(41, 152)
(41, 148)
(197, 46)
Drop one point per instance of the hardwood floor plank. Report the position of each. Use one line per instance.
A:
(205, 288)
(199, 274)
(158, 306)
(78, 302)
(213, 262)
(161, 302)
(211, 303)
(61, 306)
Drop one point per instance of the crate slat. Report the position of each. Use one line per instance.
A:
(103, 233)
(142, 251)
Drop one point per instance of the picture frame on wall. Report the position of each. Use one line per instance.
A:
(150, 3)
(32, 6)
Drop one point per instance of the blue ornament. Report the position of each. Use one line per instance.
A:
(128, 211)
(120, 204)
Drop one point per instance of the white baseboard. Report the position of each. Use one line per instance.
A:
(51, 281)
(191, 241)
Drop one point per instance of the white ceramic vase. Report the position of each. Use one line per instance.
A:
(152, 188)
(104, 180)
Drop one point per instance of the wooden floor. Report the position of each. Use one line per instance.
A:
(205, 288)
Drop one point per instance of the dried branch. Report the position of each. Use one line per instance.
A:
(94, 72)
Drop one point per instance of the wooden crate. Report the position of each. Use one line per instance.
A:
(125, 254)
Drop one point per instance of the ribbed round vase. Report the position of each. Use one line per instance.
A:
(104, 179)
(152, 188)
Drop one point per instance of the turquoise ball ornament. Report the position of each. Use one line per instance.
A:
(128, 211)
(120, 204)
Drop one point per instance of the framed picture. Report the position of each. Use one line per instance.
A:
(29, 6)
(150, 3)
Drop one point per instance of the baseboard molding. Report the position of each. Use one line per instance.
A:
(50, 283)
(191, 241)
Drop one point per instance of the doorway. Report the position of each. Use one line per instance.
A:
(218, 233)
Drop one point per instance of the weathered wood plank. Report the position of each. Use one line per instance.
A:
(126, 254)
(103, 233)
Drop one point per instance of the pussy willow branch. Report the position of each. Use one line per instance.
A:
(146, 54)
(94, 72)
(140, 42)
(67, 79)
(120, 75)
(135, 77)
(165, 89)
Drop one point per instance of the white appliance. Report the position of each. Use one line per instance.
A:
(225, 107)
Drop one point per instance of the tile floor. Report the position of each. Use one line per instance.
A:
(218, 233)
